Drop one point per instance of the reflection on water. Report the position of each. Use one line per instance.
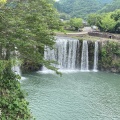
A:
(74, 96)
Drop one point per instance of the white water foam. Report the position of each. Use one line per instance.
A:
(84, 58)
(95, 67)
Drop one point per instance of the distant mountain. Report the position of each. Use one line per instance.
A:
(80, 8)
(111, 7)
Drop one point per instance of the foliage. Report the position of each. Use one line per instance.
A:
(107, 22)
(12, 101)
(78, 8)
(26, 27)
(94, 19)
(110, 55)
(64, 16)
(115, 4)
(76, 23)
(81, 8)
(116, 15)
(2, 1)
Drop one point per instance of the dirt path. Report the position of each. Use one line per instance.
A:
(72, 34)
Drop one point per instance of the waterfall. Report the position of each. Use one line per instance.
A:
(65, 53)
(84, 57)
(16, 67)
(16, 70)
(95, 56)
(70, 56)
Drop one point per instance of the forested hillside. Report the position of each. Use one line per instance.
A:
(111, 7)
(80, 8)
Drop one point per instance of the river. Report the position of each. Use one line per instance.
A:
(73, 96)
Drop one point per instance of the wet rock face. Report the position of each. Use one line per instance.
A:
(91, 47)
(114, 70)
(78, 55)
(29, 66)
(109, 57)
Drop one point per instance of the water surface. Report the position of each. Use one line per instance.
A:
(74, 96)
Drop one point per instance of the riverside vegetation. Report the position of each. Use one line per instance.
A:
(110, 57)
(25, 28)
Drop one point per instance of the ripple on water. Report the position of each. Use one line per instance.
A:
(74, 96)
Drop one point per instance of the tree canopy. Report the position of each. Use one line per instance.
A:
(26, 27)
(107, 22)
(76, 23)
(3, 1)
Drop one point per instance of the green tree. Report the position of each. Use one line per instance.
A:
(117, 27)
(28, 28)
(25, 29)
(107, 23)
(76, 23)
(3, 1)
(64, 16)
(116, 15)
(94, 19)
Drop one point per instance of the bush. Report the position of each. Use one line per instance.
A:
(12, 101)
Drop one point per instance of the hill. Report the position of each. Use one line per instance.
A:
(111, 7)
(80, 8)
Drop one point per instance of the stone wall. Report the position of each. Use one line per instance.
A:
(104, 35)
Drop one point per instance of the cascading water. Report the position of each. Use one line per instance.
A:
(95, 56)
(84, 57)
(65, 53)
(48, 55)
(70, 56)
(16, 67)
(16, 70)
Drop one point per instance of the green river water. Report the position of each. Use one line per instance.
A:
(74, 96)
